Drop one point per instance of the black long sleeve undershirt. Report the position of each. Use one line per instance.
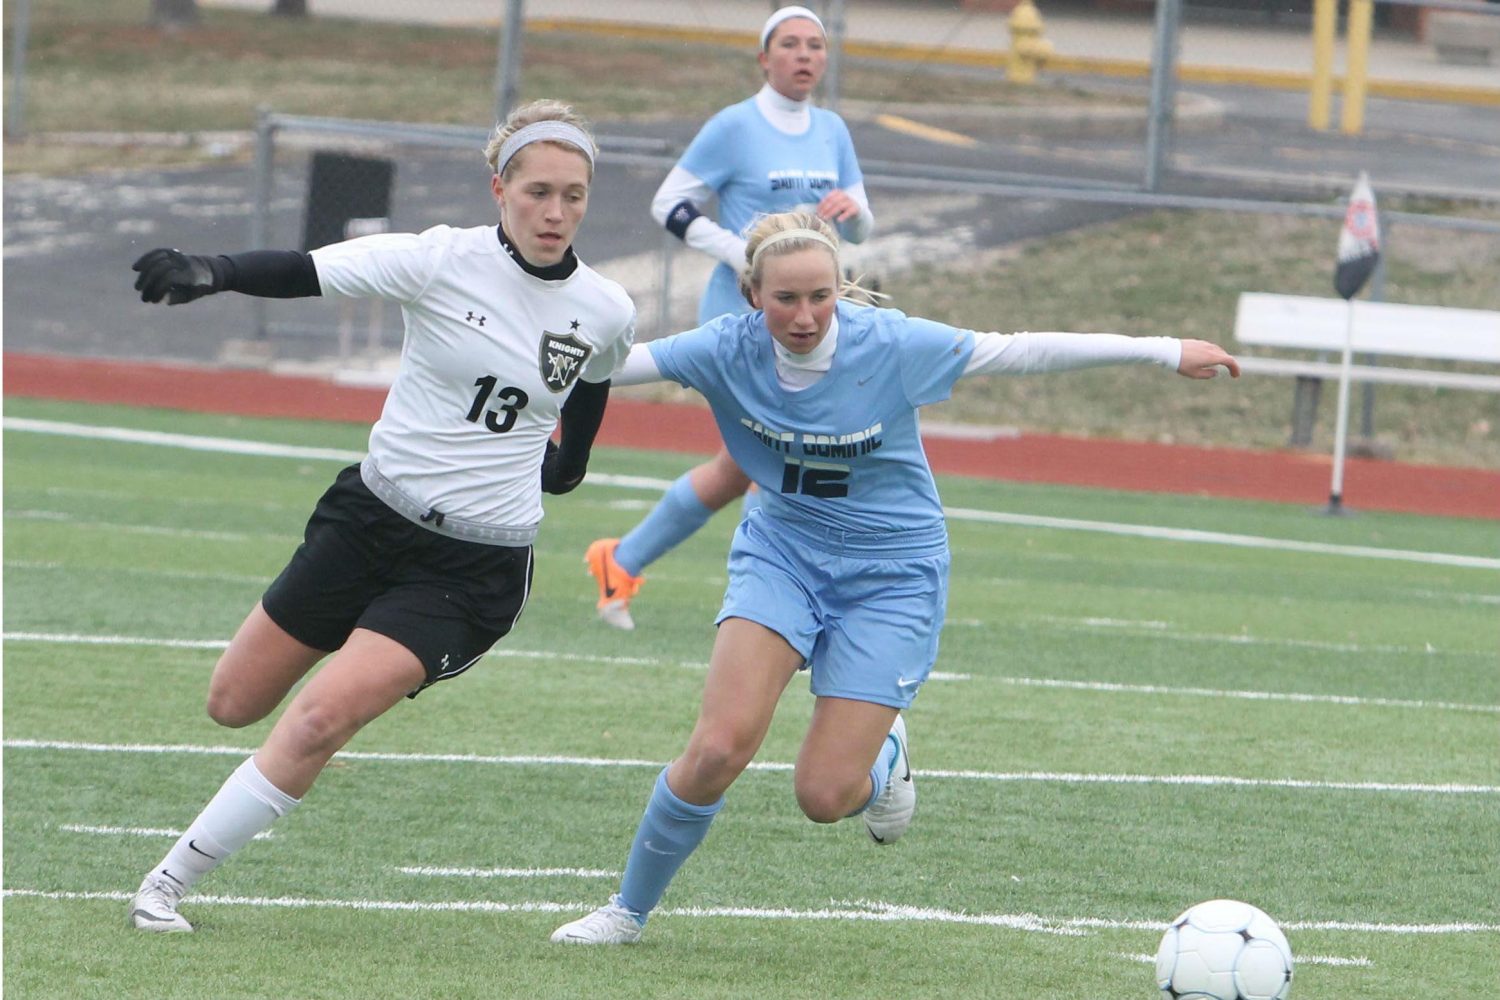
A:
(271, 274)
(580, 419)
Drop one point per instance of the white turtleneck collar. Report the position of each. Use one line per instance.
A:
(798, 371)
(787, 115)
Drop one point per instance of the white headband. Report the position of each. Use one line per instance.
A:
(547, 131)
(786, 14)
(793, 234)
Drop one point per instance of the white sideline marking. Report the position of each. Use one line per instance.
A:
(1063, 777)
(1329, 699)
(864, 910)
(509, 872)
(192, 442)
(67, 638)
(243, 447)
(139, 831)
(1337, 961)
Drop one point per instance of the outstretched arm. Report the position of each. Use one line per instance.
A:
(178, 277)
(1034, 353)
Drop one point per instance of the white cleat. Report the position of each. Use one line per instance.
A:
(890, 815)
(610, 924)
(617, 614)
(154, 907)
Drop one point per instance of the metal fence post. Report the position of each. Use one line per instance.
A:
(664, 295)
(833, 77)
(260, 217)
(1163, 89)
(508, 63)
(15, 121)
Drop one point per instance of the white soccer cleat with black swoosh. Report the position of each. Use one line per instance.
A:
(154, 907)
(890, 815)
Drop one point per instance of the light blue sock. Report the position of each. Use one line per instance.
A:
(880, 773)
(675, 517)
(670, 831)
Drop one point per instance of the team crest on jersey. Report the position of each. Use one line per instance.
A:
(562, 359)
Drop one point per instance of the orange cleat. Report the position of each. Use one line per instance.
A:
(616, 587)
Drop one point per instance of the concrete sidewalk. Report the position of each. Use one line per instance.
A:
(1114, 44)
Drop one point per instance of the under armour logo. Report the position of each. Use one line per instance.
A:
(472, 318)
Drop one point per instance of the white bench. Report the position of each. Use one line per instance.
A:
(1383, 328)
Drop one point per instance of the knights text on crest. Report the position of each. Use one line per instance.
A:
(562, 358)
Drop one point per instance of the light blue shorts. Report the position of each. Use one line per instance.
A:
(864, 611)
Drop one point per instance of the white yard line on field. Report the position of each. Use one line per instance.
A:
(1220, 538)
(863, 910)
(138, 831)
(1337, 961)
(553, 760)
(937, 675)
(261, 448)
(67, 638)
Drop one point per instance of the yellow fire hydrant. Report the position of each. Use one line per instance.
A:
(1028, 49)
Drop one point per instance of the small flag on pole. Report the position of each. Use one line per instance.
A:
(1359, 241)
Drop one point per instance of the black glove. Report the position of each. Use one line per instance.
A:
(559, 476)
(176, 276)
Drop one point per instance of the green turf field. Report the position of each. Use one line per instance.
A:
(1119, 726)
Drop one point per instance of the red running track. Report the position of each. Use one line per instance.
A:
(1279, 476)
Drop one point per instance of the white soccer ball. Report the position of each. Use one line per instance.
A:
(1224, 950)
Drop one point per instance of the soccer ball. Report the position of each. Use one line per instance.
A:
(1224, 950)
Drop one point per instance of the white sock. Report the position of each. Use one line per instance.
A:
(243, 807)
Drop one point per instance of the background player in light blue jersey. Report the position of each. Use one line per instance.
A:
(843, 568)
(772, 153)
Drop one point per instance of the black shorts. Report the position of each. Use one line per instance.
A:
(362, 565)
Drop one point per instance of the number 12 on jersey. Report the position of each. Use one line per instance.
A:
(815, 479)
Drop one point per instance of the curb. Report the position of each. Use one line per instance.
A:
(1057, 64)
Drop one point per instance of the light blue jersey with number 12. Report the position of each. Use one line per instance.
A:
(845, 453)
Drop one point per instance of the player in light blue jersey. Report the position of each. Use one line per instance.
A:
(843, 568)
(772, 153)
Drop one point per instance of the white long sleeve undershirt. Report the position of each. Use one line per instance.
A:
(994, 354)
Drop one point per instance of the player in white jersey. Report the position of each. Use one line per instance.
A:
(775, 152)
(843, 568)
(417, 560)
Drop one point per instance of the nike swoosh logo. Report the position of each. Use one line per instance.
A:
(903, 683)
(174, 878)
(193, 845)
(862, 381)
(656, 850)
